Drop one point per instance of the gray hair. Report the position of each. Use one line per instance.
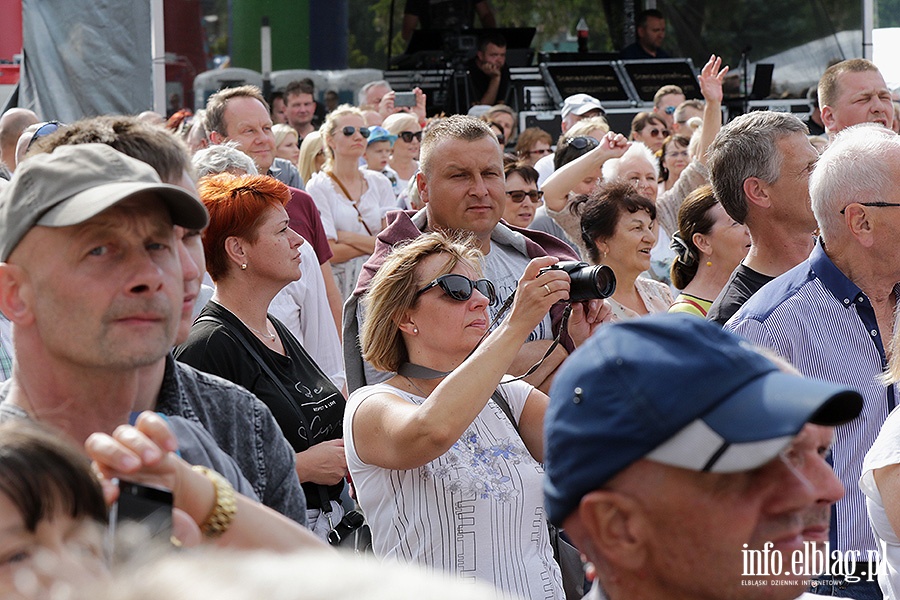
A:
(744, 148)
(364, 90)
(636, 150)
(859, 163)
(220, 158)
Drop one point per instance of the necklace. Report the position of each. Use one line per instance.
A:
(266, 335)
(420, 390)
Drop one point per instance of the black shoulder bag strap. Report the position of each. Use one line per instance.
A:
(500, 401)
(323, 496)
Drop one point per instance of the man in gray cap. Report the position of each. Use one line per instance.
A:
(575, 108)
(89, 265)
(684, 464)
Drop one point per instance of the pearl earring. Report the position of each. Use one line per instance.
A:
(244, 267)
(415, 329)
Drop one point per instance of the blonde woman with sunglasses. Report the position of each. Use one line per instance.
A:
(447, 478)
(351, 200)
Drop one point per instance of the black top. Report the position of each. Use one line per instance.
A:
(743, 283)
(636, 52)
(479, 82)
(212, 348)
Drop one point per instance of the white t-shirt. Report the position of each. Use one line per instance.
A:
(504, 267)
(545, 168)
(476, 511)
(337, 211)
(884, 452)
(303, 307)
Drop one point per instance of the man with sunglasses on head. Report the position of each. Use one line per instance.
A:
(832, 315)
(665, 101)
(462, 185)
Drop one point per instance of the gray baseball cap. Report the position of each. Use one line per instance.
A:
(75, 183)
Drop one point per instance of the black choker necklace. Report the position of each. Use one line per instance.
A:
(408, 370)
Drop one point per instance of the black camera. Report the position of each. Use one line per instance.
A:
(588, 282)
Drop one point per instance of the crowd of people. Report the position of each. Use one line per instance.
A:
(447, 343)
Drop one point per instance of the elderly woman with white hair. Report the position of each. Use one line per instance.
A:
(634, 162)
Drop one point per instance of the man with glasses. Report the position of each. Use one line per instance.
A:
(461, 183)
(832, 315)
(674, 494)
(665, 101)
(759, 167)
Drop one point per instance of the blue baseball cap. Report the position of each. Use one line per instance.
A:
(677, 390)
(380, 134)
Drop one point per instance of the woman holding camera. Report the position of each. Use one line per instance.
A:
(445, 477)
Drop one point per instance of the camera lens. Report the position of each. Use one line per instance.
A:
(589, 283)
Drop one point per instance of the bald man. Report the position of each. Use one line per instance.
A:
(12, 124)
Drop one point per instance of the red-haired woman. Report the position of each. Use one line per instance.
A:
(251, 254)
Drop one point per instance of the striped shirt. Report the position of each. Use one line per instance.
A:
(819, 320)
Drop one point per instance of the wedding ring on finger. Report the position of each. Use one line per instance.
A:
(548, 289)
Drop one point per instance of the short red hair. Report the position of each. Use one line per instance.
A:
(236, 206)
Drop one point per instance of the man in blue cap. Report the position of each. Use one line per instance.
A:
(685, 464)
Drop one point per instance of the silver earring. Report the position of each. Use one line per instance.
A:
(244, 267)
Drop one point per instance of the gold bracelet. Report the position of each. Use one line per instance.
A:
(225, 508)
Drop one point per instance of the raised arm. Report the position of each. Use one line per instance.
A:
(560, 183)
(394, 434)
(711, 77)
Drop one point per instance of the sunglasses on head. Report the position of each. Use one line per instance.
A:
(349, 131)
(518, 196)
(409, 136)
(43, 131)
(659, 132)
(582, 142)
(459, 287)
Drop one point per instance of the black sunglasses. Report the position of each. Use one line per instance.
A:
(518, 196)
(409, 136)
(43, 131)
(582, 142)
(348, 131)
(459, 287)
(655, 132)
(875, 204)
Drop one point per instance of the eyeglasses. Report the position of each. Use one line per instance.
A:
(409, 136)
(43, 131)
(582, 142)
(682, 153)
(518, 196)
(541, 152)
(876, 204)
(659, 132)
(349, 131)
(460, 288)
